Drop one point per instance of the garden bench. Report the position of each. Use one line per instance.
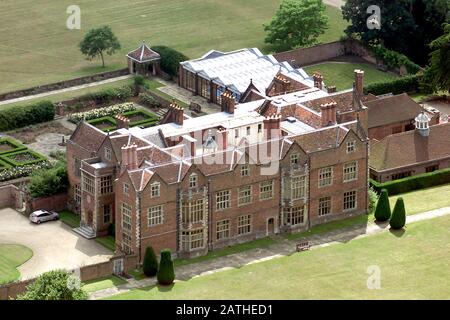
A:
(302, 246)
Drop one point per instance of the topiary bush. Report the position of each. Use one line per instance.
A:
(398, 218)
(150, 265)
(166, 272)
(383, 209)
(170, 59)
(54, 285)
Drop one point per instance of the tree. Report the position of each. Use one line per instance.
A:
(437, 75)
(407, 26)
(99, 41)
(166, 273)
(398, 218)
(297, 23)
(150, 265)
(383, 209)
(54, 285)
(170, 59)
(46, 182)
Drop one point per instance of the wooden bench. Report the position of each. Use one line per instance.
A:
(302, 246)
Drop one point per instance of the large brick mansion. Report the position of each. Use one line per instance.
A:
(279, 161)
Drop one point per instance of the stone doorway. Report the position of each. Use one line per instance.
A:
(270, 226)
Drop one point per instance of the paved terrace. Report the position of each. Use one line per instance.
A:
(283, 247)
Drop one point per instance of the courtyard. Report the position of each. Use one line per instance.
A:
(53, 244)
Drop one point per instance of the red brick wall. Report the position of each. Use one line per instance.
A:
(55, 202)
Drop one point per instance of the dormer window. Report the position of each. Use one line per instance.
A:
(108, 154)
(294, 159)
(351, 146)
(245, 171)
(155, 189)
(193, 181)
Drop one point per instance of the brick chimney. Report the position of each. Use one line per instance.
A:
(331, 89)
(178, 113)
(129, 157)
(328, 115)
(359, 83)
(272, 126)
(122, 122)
(318, 80)
(222, 138)
(227, 102)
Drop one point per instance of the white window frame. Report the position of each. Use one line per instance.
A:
(108, 154)
(223, 229)
(321, 207)
(295, 157)
(223, 200)
(245, 195)
(245, 170)
(351, 146)
(262, 192)
(155, 216)
(193, 180)
(350, 171)
(244, 225)
(106, 185)
(298, 187)
(325, 177)
(155, 190)
(126, 188)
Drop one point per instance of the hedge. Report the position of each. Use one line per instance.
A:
(166, 272)
(17, 146)
(394, 59)
(398, 218)
(170, 59)
(18, 117)
(108, 95)
(151, 118)
(395, 86)
(108, 119)
(36, 158)
(421, 181)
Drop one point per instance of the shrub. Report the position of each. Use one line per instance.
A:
(49, 181)
(383, 209)
(150, 265)
(373, 198)
(54, 285)
(170, 59)
(13, 145)
(398, 218)
(18, 117)
(58, 155)
(22, 158)
(101, 112)
(395, 86)
(393, 59)
(166, 273)
(139, 80)
(421, 181)
(148, 100)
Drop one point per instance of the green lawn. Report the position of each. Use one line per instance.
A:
(70, 218)
(11, 257)
(37, 48)
(413, 265)
(108, 242)
(102, 283)
(424, 200)
(341, 74)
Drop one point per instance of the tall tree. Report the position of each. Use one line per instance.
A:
(99, 41)
(437, 75)
(407, 26)
(297, 23)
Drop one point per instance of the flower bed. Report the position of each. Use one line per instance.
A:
(22, 158)
(8, 145)
(141, 117)
(104, 123)
(24, 171)
(101, 112)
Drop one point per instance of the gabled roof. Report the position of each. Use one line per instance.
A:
(88, 137)
(408, 148)
(323, 139)
(143, 54)
(391, 109)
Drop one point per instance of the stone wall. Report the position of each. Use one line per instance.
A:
(63, 84)
(91, 272)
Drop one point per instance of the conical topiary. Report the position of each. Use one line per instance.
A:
(150, 265)
(398, 218)
(383, 209)
(166, 273)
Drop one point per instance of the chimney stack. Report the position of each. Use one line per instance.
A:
(328, 113)
(318, 80)
(122, 122)
(359, 83)
(129, 157)
(178, 113)
(227, 102)
(331, 89)
(272, 126)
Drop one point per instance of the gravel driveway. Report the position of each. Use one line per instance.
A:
(54, 244)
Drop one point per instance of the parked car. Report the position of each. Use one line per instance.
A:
(43, 216)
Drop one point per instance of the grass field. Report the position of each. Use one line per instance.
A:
(37, 48)
(413, 265)
(11, 257)
(341, 74)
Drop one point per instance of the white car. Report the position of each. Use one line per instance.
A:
(43, 216)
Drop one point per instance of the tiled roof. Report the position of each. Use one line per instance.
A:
(343, 99)
(391, 109)
(408, 148)
(322, 139)
(88, 137)
(143, 54)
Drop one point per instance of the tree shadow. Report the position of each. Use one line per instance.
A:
(164, 288)
(397, 232)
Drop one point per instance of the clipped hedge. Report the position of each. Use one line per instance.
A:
(107, 119)
(393, 59)
(170, 59)
(421, 181)
(15, 145)
(34, 158)
(150, 118)
(395, 86)
(48, 181)
(18, 117)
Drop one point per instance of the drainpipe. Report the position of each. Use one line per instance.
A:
(209, 214)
